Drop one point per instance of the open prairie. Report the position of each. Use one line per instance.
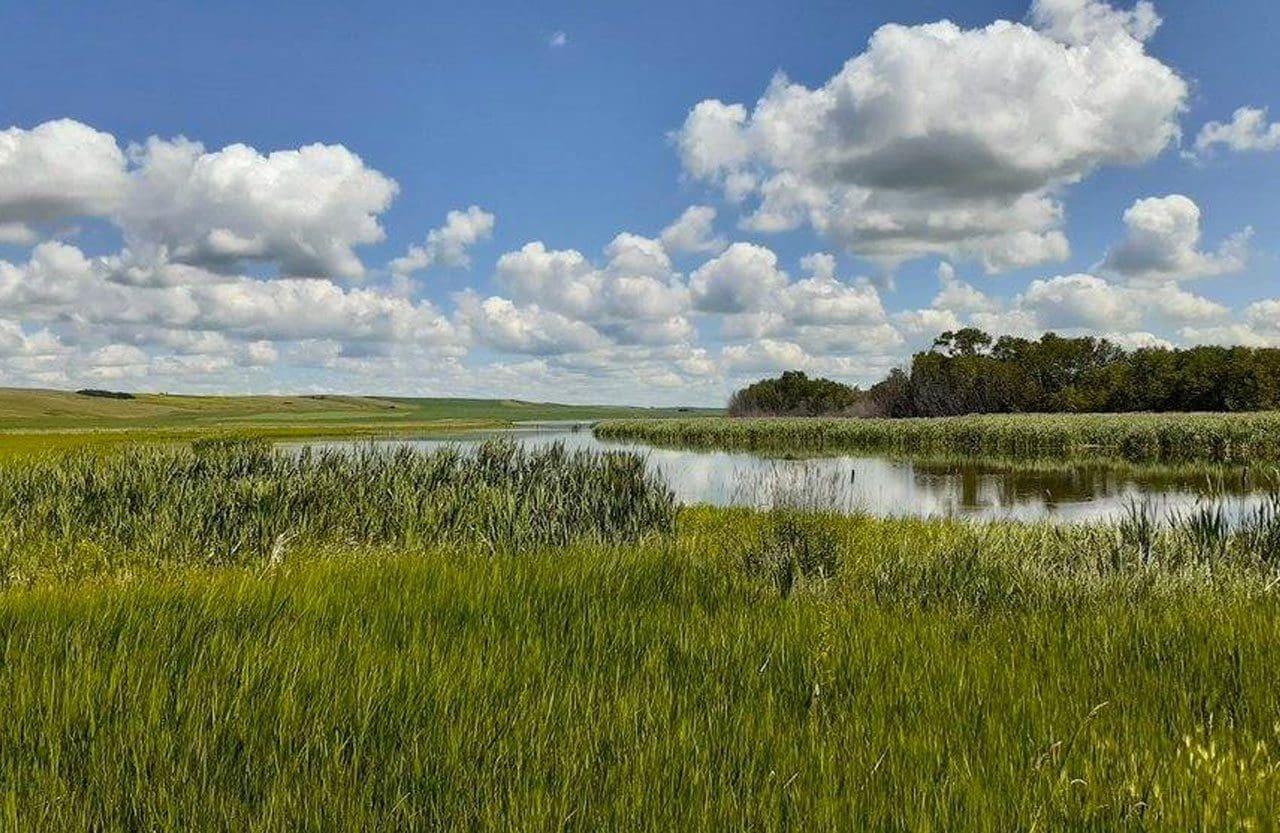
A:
(31, 410)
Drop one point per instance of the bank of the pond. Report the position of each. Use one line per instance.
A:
(1246, 438)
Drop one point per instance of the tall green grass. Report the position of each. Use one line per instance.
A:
(941, 677)
(1215, 438)
(242, 502)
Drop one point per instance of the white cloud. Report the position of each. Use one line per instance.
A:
(1091, 302)
(1226, 334)
(1137, 340)
(57, 170)
(1080, 304)
(558, 39)
(958, 296)
(502, 325)
(59, 284)
(1248, 130)
(16, 342)
(562, 280)
(1163, 243)
(824, 300)
(634, 297)
(928, 322)
(693, 232)
(1080, 301)
(766, 355)
(311, 308)
(301, 210)
(16, 234)
(116, 361)
(448, 245)
(742, 279)
(939, 140)
(820, 314)
(1083, 21)
(55, 279)
(1258, 325)
(1264, 315)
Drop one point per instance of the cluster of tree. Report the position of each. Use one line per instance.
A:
(795, 394)
(105, 394)
(968, 371)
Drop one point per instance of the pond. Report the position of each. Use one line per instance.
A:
(1073, 492)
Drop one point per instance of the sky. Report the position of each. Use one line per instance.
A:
(628, 203)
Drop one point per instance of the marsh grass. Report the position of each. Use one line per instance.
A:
(1165, 438)
(226, 502)
(946, 677)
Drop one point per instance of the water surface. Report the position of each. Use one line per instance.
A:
(888, 486)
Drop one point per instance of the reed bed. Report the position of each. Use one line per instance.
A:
(1246, 438)
(246, 502)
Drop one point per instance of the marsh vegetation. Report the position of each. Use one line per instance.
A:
(1249, 439)
(233, 636)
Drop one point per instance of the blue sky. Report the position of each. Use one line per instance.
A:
(144, 269)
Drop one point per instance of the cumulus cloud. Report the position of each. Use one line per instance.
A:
(504, 326)
(1138, 340)
(16, 234)
(821, 314)
(312, 308)
(765, 355)
(941, 140)
(16, 342)
(958, 296)
(1163, 243)
(1072, 301)
(742, 279)
(57, 170)
(634, 297)
(1095, 305)
(1248, 130)
(115, 361)
(693, 232)
(59, 284)
(1258, 325)
(1077, 304)
(1090, 302)
(1083, 21)
(302, 210)
(448, 245)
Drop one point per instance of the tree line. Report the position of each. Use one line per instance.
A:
(968, 371)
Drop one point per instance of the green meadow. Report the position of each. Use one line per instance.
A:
(36, 417)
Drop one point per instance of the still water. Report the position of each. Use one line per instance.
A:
(879, 485)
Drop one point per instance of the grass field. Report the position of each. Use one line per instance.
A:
(33, 410)
(543, 663)
(34, 421)
(1243, 438)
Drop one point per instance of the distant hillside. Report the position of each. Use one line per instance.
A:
(22, 409)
